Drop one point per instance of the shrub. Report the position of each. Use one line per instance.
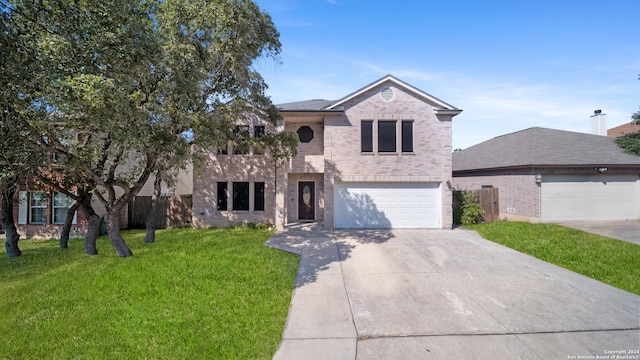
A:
(467, 210)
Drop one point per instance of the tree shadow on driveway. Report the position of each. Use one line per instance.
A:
(322, 250)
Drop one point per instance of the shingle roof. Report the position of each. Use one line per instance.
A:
(307, 105)
(543, 147)
(316, 105)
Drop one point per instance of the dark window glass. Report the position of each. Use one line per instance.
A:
(240, 196)
(258, 132)
(407, 136)
(366, 136)
(386, 136)
(222, 150)
(258, 196)
(241, 135)
(222, 196)
(305, 134)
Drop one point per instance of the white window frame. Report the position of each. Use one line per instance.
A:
(68, 202)
(40, 206)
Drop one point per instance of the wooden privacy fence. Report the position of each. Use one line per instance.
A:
(171, 211)
(489, 200)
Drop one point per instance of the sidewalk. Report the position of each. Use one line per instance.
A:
(442, 294)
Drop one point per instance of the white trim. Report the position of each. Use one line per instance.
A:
(389, 78)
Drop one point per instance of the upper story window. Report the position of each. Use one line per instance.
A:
(387, 136)
(366, 135)
(407, 136)
(241, 136)
(258, 132)
(305, 134)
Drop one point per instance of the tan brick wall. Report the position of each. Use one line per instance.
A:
(429, 162)
(230, 169)
(519, 194)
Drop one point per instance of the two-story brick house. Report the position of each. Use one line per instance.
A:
(379, 157)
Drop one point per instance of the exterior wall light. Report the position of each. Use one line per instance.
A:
(601, 170)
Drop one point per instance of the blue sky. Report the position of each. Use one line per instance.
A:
(509, 65)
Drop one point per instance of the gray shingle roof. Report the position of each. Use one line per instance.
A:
(543, 147)
(307, 105)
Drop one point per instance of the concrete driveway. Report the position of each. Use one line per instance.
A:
(623, 230)
(443, 294)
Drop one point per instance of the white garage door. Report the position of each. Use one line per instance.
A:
(387, 205)
(590, 197)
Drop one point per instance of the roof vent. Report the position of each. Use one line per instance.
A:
(387, 94)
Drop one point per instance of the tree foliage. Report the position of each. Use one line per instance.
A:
(112, 88)
(630, 143)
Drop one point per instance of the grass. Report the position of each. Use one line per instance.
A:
(194, 294)
(611, 261)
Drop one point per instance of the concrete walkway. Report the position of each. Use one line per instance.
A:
(444, 294)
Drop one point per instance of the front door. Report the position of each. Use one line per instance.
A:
(306, 200)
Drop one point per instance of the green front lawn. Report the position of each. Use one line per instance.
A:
(612, 261)
(194, 294)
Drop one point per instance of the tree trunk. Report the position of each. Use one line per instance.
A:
(113, 232)
(150, 221)
(66, 228)
(93, 226)
(11, 243)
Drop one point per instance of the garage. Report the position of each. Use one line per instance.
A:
(387, 205)
(589, 197)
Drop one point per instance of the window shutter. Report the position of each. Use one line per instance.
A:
(22, 207)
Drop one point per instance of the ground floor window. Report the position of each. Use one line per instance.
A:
(37, 207)
(222, 196)
(258, 196)
(61, 204)
(241, 196)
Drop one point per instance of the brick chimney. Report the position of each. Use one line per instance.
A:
(598, 123)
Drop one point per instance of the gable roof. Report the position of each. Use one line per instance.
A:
(440, 107)
(542, 147)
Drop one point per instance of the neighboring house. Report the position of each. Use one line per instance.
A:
(553, 176)
(378, 158)
(624, 129)
(40, 211)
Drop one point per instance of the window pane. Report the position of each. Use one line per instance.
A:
(241, 134)
(38, 215)
(61, 203)
(258, 132)
(407, 136)
(59, 215)
(38, 199)
(240, 196)
(367, 136)
(38, 207)
(386, 136)
(222, 196)
(258, 196)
